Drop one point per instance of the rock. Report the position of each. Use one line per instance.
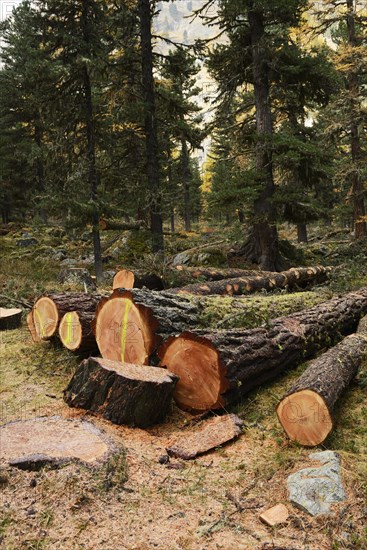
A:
(58, 255)
(108, 277)
(183, 258)
(316, 489)
(27, 242)
(76, 276)
(69, 261)
(115, 252)
(53, 441)
(277, 514)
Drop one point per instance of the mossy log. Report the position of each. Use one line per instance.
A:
(295, 277)
(122, 393)
(306, 410)
(130, 325)
(49, 309)
(10, 318)
(217, 368)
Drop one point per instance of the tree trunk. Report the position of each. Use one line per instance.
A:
(172, 221)
(302, 233)
(186, 176)
(306, 410)
(49, 309)
(295, 277)
(354, 90)
(40, 170)
(130, 324)
(91, 150)
(76, 333)
(124, 394)
(263, 244)
(152, 157)
(217, 368)
(241, 216)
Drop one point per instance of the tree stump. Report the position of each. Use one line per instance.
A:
(122, 393)
(219, 367)
(10, 318)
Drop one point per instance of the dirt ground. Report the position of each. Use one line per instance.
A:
(134, 502)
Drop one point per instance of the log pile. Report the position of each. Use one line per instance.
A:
(218, 367)
(135, 329)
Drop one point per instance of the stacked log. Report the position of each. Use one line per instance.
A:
(306, 410)
(217, 368)
(49, 309)
(76, 332)
(130, 325)
(122, 393)
(295, 277)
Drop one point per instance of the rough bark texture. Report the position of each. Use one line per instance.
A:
(306, 410)
(125, 394)
(46, 323)
(248, 358)
(10, 318)
(209, 435)
(301, 277)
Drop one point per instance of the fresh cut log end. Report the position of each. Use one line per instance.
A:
(197, 364)
(305, 417)
(70, 331)
(45, 318)
(124, 279)
(125, 331)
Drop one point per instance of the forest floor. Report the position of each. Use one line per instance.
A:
(133, 501)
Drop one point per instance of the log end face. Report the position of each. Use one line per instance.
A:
(201, 376)
(45, 317)
(70, 331)
(305, 417)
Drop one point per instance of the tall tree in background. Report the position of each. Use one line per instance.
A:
(346, 20)
(146, 9)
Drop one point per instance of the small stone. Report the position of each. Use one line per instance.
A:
(27, 242)
(164, 459)
(277, 514)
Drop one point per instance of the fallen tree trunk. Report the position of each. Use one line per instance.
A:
(130, 325)
(299, 277)
(119, 225)
(123, 393)
(48, 310)
(306, 410)
(217, 368)
(128, 279)
(10, 318)
(212, 274)
(76, 333)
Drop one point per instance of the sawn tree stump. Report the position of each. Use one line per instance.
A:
(122, 393)
(10, 318)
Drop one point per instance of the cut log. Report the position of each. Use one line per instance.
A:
(217, 368)
(208, 436)
(128, 280)
(122, 393)
(49, 309)
(76, 333)
(119, 225)
(130, 324)
(295, 277)
(212, 274)
(10, 318)
(32, 328)
(306, 411)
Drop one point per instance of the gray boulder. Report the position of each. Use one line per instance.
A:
(314, 490)
(27, 242)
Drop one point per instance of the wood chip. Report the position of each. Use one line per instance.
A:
(277, 514)
(207, 436)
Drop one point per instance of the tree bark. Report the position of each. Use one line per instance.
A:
(186, 176)
(263, 243)
(49, 309)
(302, 233)
(306, 410)
(354, 90)
(91, 149)
(217, 368)
(153, 171)
(122, 393)
(295, 277)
